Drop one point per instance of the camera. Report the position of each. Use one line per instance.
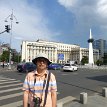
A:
(37, 101)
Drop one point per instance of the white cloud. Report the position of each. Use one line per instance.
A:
(102, 8)
(89, 13)
(33, 24)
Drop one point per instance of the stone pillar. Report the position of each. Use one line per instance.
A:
(104, 92)
(83, 98)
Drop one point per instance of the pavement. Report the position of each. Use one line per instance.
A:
(92, 101)
(6, 68)
(93, 67)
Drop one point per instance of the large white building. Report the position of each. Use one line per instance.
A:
(57, 52)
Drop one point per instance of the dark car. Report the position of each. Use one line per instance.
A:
(26, 67)
(55, 66)
(20, 67)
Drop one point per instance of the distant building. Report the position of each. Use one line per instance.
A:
(57, 52)
(101, 45)
(4, 47)
(85, 52)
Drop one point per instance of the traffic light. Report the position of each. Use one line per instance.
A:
(7, 28)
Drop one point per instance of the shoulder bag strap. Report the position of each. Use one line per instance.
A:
(46, 91)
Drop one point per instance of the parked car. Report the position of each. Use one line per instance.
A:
(70, 67)
(55, 66)
(5, 63)
(20, 67)
(26, 67)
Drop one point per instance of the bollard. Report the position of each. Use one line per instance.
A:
(104, 92)
(83, 98)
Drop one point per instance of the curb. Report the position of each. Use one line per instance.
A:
(65, 101)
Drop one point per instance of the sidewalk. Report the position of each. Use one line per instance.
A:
(13, 68)
(93, 101)
(93, 67)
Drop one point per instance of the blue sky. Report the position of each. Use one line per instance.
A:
(67, 21)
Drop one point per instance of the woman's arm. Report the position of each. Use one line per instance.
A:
(54, 98)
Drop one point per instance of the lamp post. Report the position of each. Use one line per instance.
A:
(11, 17)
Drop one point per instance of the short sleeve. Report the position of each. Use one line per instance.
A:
(53, 83)
(26, 84)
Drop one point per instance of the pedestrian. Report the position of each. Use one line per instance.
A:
(3, 64)
(40, 85)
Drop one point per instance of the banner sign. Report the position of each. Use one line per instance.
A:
(60, 56)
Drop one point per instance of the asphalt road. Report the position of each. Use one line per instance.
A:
(69, 84)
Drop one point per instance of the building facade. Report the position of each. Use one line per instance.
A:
(101, 45)
(57, 52)
(85, 52)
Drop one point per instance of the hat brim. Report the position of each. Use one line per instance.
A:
(35, 60)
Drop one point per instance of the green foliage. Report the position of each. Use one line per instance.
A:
(24, 60)
(16, 58)
(98, 62)
(84, 60)
(4, 56)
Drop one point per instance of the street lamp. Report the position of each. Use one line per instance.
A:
(11, 17)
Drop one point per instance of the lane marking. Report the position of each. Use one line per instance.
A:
(3, 80)
(7, 78)
(9, 82)
(11, 95)
(15, 104)
(8, 90)
(2, 77)
(10, 85)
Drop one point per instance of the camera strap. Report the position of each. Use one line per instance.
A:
(46, 90)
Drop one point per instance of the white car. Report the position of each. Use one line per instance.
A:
(5, 64)
(70, 67)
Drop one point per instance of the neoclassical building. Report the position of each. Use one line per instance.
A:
(57, 52)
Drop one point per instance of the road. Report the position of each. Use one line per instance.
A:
(69, 84)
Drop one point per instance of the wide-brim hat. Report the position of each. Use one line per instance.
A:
(41, 55)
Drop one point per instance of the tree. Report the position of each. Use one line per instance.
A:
(105, 59)
(84, 60)
(98, 62)
(16, 58)
(4, 56)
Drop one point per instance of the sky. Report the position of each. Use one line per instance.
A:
(65, 21)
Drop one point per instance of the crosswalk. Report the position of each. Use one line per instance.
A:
(11, 93)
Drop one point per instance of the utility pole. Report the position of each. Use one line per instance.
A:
(11, 17)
